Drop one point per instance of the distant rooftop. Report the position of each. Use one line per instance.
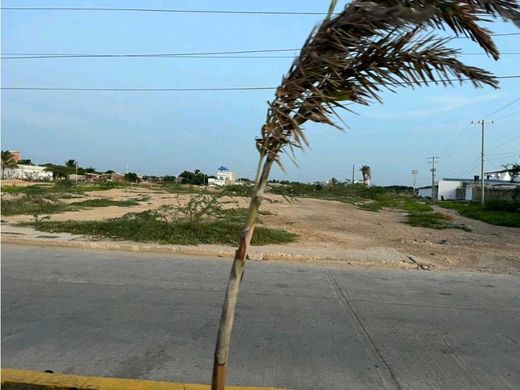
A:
(457, 179)
(502, 171)
(223, 168)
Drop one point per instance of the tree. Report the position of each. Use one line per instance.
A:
(87, 170)
(169, 179)
(58, 171)
(514, 171)
(8, 161)
(131, 177)
(367, 174)
(352, 56)
(25, 161)
(196, 178)
(71, 164)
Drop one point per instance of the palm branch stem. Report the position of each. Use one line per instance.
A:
(235, 277)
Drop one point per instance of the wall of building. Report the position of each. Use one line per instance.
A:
(223, 178)
(27, 172)
(509, 193)
(448, 190)
(502, 175)
(424, 192)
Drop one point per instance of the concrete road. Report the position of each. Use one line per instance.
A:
(299, 326)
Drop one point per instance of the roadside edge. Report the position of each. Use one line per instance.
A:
(16, 376)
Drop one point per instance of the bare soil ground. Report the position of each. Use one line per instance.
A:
(342, 232)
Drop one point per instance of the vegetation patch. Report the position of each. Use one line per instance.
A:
(366, 198)
(184, 189)
(106, 203)
(151, 226)
(433, 220)
(33, 205)
(495, 212)
(200, 220)
(41, 201)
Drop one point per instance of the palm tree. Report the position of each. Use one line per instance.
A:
(333, 182)
(353, 56)
(8, 161)
(367, 174)
(70, 163)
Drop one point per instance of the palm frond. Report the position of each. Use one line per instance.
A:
(372, 46)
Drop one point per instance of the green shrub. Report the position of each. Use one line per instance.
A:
(150, 226)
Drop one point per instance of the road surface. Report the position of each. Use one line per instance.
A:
(301, 326)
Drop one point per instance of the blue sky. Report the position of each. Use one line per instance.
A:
(167, 132)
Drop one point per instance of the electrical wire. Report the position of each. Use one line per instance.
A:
(140, 55)
(508, 115)
(504, 143)
(161, 10)
(503, 108)
(503, 153)
(209, 89)
(469, 167)
(31, 56)
(453, 145)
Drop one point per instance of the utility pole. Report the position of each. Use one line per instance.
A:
(483, 124)
(353, 174)
(76, 163)
(414, 175)
(431, 160)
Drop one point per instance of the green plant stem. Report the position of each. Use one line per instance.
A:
(235, 277)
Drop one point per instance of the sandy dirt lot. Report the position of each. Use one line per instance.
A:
(342, 232)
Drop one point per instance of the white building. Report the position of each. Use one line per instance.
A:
(502, 175)
(463, 189)
(223, 177)
(27, 172)
(447, 189)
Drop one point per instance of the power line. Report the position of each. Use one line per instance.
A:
(510, 53)
(466, 130)
(142, 56)
(181, 54)
(453, 145)
(504, 107)
(508, 115)
(469, 167)
(189, 54)
(161, 10)
(504, 153)
(216, 88)
(493, 35)
(216, 55)
(505, 143)
(137, 89)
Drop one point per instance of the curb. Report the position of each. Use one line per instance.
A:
(129, 247)
(35, 378)
(222, 252)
